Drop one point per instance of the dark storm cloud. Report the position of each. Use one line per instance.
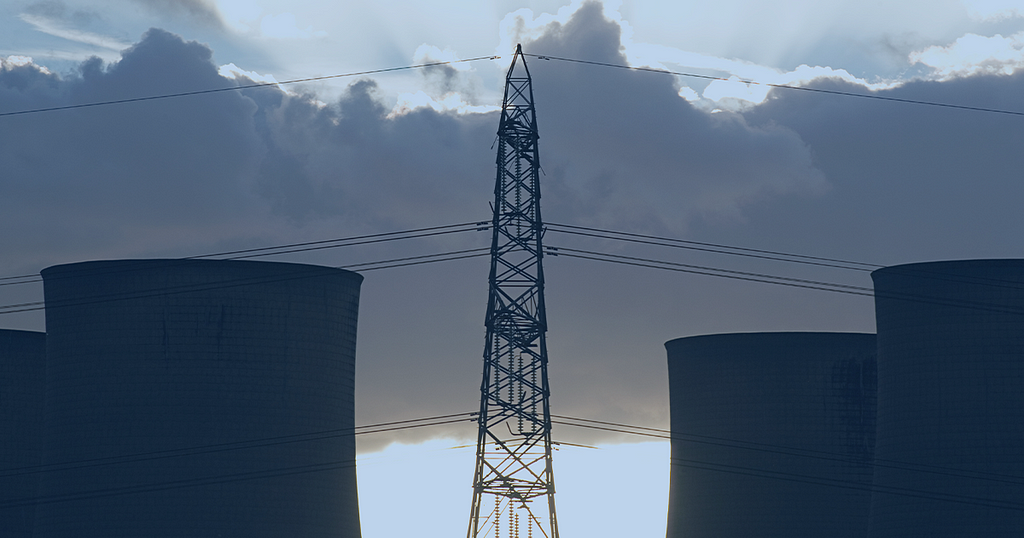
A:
(92, 178)
(174, 167)
(623, 148)
(352, 158)
(910, 182)
(197, 174)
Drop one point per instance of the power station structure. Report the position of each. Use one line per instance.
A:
(198, 398)
(772, 435)
(916, 432)
(513, 484)
(950, 439)
(22, 396)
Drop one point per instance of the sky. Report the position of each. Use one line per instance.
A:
(718, 161)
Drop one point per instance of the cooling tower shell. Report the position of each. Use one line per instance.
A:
(772, 435)
(22, 393)
(950, 446)
(182, 395)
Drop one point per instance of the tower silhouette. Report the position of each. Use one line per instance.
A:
(513, 457)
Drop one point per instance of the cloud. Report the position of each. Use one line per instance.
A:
(654, 161)
(260, 166)
(56, 19)
(992, 9)
(59, 11)
(973, 54)
(809, 173)
(202, 12)
(452, 87)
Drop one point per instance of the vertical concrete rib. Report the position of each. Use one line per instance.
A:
(177, 390)
(772, 435)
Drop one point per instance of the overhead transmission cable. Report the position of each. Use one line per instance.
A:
(538, 56)
(593, 255)
(809, 479)
(660, 433)
(242, 87)
(306, 247)
(299, 272)
(717, 248)
(708, 271)
(470, 416)
(764, 278)
(399, 425)
(784, 86)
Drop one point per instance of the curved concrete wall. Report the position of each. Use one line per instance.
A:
(178, 393)
(950, 444)
(772, 435)
(22, 390)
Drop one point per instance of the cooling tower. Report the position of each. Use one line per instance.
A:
(950, 450)
(772, 435)
(199, 398)
(22, 390)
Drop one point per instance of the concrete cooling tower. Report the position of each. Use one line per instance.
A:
(772, 435)
(950, 449)
(199, 398)
(22, 392)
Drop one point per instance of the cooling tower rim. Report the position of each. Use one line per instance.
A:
(736, 337)
(959, 266)
(99, 267)
(22, 332)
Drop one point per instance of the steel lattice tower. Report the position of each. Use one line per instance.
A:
(513, 454)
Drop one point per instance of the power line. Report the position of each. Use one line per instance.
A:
(242, 87)
(354, 240)
(786, 86)
(366, 429)
(717, 248)
(427, 258)
(808, 479)
(801, 283)
(538, 56)
(462, 417)
(708, 271)
(661, 433)
(306, 246)
(299, 273)
(592, 255)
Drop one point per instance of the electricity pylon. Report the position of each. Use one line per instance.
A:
(513, 452)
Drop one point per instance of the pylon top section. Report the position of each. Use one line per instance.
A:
(518, 68)
(518, 90)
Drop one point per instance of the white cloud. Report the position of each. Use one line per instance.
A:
(408, 102)
(688, 93)
(974, 54)
(233, 71)
(17, 61)
(740, 79)
(56, 29)
(430, 54)
(734, 88)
